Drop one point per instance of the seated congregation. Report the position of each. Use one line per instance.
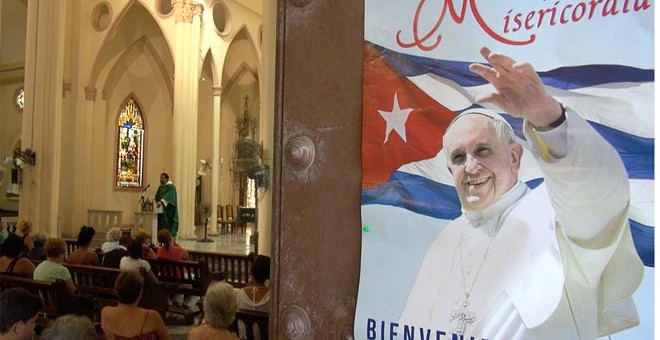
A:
(128, 288)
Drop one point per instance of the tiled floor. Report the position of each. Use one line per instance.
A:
(228, 243)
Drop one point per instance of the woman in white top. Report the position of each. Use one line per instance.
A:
(134, 261)
(256, 294)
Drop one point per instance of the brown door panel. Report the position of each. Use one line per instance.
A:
(317, 170)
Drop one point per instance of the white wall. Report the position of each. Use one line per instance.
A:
(142, 79)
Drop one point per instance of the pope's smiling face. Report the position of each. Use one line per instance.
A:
(484, 164)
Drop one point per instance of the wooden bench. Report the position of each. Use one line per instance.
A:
(57, 301)
(256, 324)
(71, 246)
(100, 282)
(191, 277)
(234, 267)
(187, 277)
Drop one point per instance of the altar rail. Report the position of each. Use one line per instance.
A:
(105, 219)
(102, 221)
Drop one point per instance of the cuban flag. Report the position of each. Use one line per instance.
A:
(410, 100)
(408, 195)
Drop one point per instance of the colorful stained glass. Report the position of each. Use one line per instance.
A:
(130, 146)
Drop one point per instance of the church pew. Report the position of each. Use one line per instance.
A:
(57, 301)
(100, 282)
(235, 267)
(252, 320)
(184, 277)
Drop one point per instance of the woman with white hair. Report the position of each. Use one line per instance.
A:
(37, 253)
(70, 327)
(219, 312)
(111, 240)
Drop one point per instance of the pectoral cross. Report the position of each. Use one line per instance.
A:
(462, 315)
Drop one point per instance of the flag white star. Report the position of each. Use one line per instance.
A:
(396, 119)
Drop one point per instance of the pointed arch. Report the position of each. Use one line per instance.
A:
(237, 72)
(144, 43)
(129, 150)
(243, 69)
(112, 30)
(217, 76)
(256, 50)
(243, 29)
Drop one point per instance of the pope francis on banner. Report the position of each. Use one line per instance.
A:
(554, 262)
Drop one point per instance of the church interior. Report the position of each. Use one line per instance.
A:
(99, 98)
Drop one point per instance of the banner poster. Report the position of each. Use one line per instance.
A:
(545, 233)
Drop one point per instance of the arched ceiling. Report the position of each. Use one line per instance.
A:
(240, 54)
(136, 24)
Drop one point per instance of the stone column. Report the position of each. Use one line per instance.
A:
(217, 165)
(42, 115)
(266, 119)
(85, 158)
(187, 65)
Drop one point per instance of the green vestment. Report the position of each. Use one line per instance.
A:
(169, 219)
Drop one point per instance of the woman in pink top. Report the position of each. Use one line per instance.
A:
(173, 252)
(127, 320)
(168, 250)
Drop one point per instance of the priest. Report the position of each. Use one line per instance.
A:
(166, 198)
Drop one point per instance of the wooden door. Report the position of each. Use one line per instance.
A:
(317, 168)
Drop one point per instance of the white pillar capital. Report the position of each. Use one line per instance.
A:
(186, 10)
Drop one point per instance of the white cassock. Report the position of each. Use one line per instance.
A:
(556, 262)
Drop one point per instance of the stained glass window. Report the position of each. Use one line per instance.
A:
(19, 99)
(130, 146)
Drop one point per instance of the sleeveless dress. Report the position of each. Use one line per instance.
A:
(141, 336)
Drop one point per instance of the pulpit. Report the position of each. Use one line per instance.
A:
(148, 220)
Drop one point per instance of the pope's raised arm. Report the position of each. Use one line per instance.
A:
(586, 180)
(519, 90)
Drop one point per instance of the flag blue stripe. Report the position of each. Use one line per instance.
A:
(417, 194)
(567, 78)
(423, 196)
(637, 153)
(644, 239)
